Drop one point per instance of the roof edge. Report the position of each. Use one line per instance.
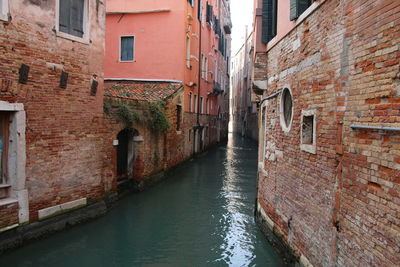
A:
(141, 80)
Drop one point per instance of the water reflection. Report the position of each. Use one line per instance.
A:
(202, 215)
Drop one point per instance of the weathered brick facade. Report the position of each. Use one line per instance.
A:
(155, 152)
(66, 157)
(339, 206)
(9, 215)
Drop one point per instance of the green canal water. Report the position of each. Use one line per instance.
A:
(202, 215)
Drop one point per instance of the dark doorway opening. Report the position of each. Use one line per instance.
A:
(125, 152)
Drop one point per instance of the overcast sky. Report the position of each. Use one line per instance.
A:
(242, 15)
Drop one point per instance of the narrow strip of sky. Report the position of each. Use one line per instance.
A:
(242, 16)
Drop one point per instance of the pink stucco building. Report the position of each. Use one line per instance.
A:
(185, 42)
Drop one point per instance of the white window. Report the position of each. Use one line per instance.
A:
(72, 20)
(205, 69)
(195, 103)
(190, 101)
(308, 135)
(4, 10)
(201, 104)
(188, 51)
(127, 48)
(204, 66)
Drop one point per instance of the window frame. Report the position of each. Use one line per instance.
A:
(195, 103)
(188, 51)
(4, 15)
(285, 128)
(201, 105)
(86, 25)
(295, 6)
(310, 148)
(190, 101)
(120, 49)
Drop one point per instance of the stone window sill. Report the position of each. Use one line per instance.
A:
(72, 38)
(8, 201)
(4, 17)
(309, 148)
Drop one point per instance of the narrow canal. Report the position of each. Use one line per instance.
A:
(202, 215)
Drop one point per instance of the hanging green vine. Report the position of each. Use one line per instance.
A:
(158, 120)
(152, 114)
(126, 115)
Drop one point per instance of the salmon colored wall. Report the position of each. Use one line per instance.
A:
(209, 44)
(159, 39)
(284, 24)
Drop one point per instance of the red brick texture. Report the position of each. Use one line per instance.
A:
(340, 206)
(159, 152)
(8, 215)
(66, 154)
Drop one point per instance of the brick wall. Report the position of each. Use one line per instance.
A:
(339, 206)
(158, 152)
(8, 215)
(66, 157)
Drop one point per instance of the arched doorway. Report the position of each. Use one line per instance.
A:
(125, 152)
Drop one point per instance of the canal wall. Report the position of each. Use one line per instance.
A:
(328, 173)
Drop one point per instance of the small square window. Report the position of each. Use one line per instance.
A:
(308, 131)
(127, 48)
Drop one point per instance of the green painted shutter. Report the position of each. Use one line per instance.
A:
(302, 6)
(297, 7)
(293, 9)
(64, 16)
(77, 8)
(269, 20)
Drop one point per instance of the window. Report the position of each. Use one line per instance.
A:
(204, 66)
(200, 11)
(178, 117)
(191, 2)
(190, 102)
(201, 104)
(72, 17)
(127, 48)
(297, 7)
(209, 14)
(207, 108)
(195, 103)
(188, 51)
(286, 107)
(269, 20)
(4, 10)
(308, 131)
